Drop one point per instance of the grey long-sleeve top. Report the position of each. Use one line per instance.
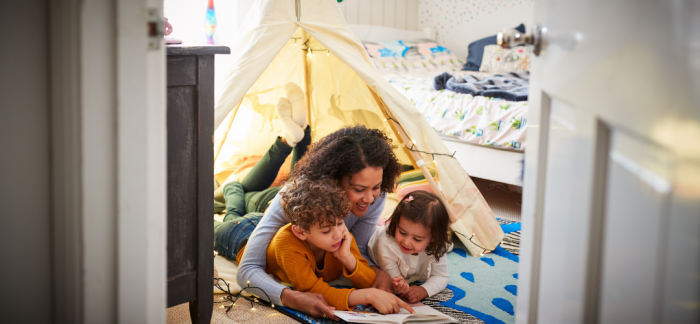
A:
(252, 266)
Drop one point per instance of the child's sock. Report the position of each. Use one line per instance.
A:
(296, 99)
(292, 132)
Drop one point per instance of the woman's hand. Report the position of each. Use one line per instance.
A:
(383, 280)
(400, 285)
(343, 253)
(414, 294)
(308, 303)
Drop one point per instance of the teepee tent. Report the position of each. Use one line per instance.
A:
(307, 42)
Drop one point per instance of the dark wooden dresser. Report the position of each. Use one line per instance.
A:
(190, 109)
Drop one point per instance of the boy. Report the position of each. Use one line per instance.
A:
(317, 247)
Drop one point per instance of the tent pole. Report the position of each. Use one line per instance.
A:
(416, 157)
(307, 81)
(456, 221)
(380, 103)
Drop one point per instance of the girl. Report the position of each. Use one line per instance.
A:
(413, 245)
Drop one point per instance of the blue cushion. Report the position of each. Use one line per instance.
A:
(476, 50)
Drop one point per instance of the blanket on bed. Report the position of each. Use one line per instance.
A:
(509, 86)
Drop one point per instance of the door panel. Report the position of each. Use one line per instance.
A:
(611, 195)
(566, 213)
(637, 198)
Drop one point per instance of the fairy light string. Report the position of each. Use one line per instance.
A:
(233, 297)
(413, 148)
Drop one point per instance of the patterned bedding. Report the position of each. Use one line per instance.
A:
(474, 119)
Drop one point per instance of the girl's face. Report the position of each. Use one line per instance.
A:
(363, 188)
(412, 237)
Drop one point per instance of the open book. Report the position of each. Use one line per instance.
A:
(424, 314)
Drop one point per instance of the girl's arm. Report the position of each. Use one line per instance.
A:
(439, 277)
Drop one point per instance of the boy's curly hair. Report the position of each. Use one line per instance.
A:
(425, 208)
(348, 151)
(308, 202)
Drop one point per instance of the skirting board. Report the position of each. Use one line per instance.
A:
(488, 163)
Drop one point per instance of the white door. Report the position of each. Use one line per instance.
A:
(611, 213)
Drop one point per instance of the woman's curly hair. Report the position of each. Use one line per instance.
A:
(308, 202)
(348, 151)
(424, 208)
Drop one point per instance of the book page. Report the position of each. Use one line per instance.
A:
(423, 313)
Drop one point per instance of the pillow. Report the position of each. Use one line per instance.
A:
(497, 59)
(404, 48)
(411, 181)
(476, 50)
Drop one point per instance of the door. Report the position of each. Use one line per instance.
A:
(611, 212)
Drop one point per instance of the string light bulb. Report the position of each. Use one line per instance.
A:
(253, 309)
(328, 53)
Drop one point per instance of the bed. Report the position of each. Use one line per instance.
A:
(488, 134)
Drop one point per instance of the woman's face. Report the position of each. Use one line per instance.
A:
(363, 188)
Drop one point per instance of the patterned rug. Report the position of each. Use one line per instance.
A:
(481, 290)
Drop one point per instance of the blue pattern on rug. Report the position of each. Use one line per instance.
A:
(513, 289)
(491, 295)
(488, 261)
(504, 305)
(468, 275)
(459, 295)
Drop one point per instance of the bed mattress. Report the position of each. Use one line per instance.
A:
(475, 119)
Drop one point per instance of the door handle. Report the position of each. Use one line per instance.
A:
(539, 38)
(508, 38)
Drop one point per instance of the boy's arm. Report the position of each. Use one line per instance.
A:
(439, 277)
(363, 276)
(299, 270)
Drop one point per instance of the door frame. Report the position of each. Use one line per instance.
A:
(109, 163)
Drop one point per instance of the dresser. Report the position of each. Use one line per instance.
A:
(190, 123)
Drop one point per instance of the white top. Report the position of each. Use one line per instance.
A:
(386, 253)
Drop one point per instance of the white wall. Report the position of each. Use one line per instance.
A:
(460, 22)
(401, 14)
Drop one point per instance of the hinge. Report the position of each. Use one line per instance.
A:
(156, 29)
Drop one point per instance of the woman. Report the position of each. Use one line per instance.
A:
(363, 163)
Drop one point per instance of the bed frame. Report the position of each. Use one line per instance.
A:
(491, 163)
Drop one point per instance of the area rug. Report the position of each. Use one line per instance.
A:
(481, 289)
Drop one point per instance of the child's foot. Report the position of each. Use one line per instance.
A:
(291, 132)
(296, 99)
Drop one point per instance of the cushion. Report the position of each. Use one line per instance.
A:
(497, 59)
(411, 181)
(404, 48)
(476, 50)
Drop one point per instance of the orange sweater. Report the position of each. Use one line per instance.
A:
(290, 260)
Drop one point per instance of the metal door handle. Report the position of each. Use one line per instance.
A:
(510, 38)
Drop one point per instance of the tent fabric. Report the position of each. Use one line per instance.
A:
(342, 88)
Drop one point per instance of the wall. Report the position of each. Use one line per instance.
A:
(460, 22)
(25, 209)
(401, 14)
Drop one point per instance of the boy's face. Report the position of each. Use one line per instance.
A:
(324, 236)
